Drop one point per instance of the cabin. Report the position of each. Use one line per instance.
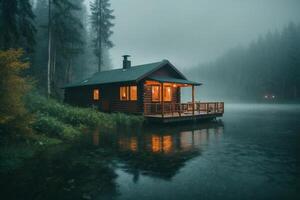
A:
(152, 90)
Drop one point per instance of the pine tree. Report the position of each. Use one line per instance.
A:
(17, 25)
(8, 24)
(67, 36)
(101, 21)
(64, 41)
(40, 56)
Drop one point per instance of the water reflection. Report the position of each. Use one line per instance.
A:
(159, 152)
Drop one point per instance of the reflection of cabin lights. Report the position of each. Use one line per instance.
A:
(174, 85)
(167, 144)
(266, 96)
(156, 144)
(273, 97)
(133, 144)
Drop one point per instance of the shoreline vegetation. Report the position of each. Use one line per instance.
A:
(54, 123)
(30, 122)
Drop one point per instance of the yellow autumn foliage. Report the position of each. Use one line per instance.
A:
(14, 117)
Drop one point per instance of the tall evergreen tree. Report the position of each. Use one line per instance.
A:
(17, 25)
(269, 66)
(40, 56)
(64, 41)
(67, 37)
(101, 21)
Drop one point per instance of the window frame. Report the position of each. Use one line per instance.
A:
(159, 98)
(136, 93)
(128, 91)
(159, 93)
(121, 92)
(165, 92)
(96, 94)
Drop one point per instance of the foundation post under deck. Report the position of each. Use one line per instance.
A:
(193, 99)
(162, 99)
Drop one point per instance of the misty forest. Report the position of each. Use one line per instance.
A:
(268, 67)
(75, 124)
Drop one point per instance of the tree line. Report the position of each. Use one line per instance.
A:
(60, 38)
(267, 69)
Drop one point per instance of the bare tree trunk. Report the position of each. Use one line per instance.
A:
(99, 18)
(53, 69)
(49, 50)
(68, 71)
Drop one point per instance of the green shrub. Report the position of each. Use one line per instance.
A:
(55, 128)
(129, 121)
(81, 116)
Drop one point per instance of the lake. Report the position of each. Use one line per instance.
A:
(251, 153)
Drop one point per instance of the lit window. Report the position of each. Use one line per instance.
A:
(167, 94)
(96, 94)
(124, 96)
(155, 93)
(128, 93)
(133, 93)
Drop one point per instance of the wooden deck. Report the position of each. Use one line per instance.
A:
(165, 113)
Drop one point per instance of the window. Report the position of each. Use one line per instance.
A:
(167, 93)
(128, 93)
(96, 94)
(124, 96)
(155, 93)
(133, 93)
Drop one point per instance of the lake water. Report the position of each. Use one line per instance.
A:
(253, 153)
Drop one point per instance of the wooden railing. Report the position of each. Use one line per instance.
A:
(183, 108)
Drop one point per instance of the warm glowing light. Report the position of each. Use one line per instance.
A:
(156, 144)
(124, 93)
(128, 93)
(133, 93)
(155, 93)
(133, 144)
(167, 94)
(167, 144)
(96, 94)
(174, 85)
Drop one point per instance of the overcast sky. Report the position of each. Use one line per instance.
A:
(188, 32)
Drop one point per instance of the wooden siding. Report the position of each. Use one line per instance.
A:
(148, 94)
(109, 98)
(109, 94)
(166, 71)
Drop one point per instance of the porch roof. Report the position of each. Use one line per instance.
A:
(173, 80)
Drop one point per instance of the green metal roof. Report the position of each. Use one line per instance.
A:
(134, 73)
(173, 80)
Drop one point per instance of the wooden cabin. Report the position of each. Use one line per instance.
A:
(152, 90)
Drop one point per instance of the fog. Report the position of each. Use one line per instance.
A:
(193, 31)
(241, 50)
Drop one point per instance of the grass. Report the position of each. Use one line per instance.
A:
(65, 122)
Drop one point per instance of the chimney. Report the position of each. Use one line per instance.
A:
(126, 62)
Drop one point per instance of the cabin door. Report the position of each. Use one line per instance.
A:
(106, 106)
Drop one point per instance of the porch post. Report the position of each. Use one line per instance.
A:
(162, 99)
(193, 98)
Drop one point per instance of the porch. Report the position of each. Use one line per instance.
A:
(162, 101)
(172, 112)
